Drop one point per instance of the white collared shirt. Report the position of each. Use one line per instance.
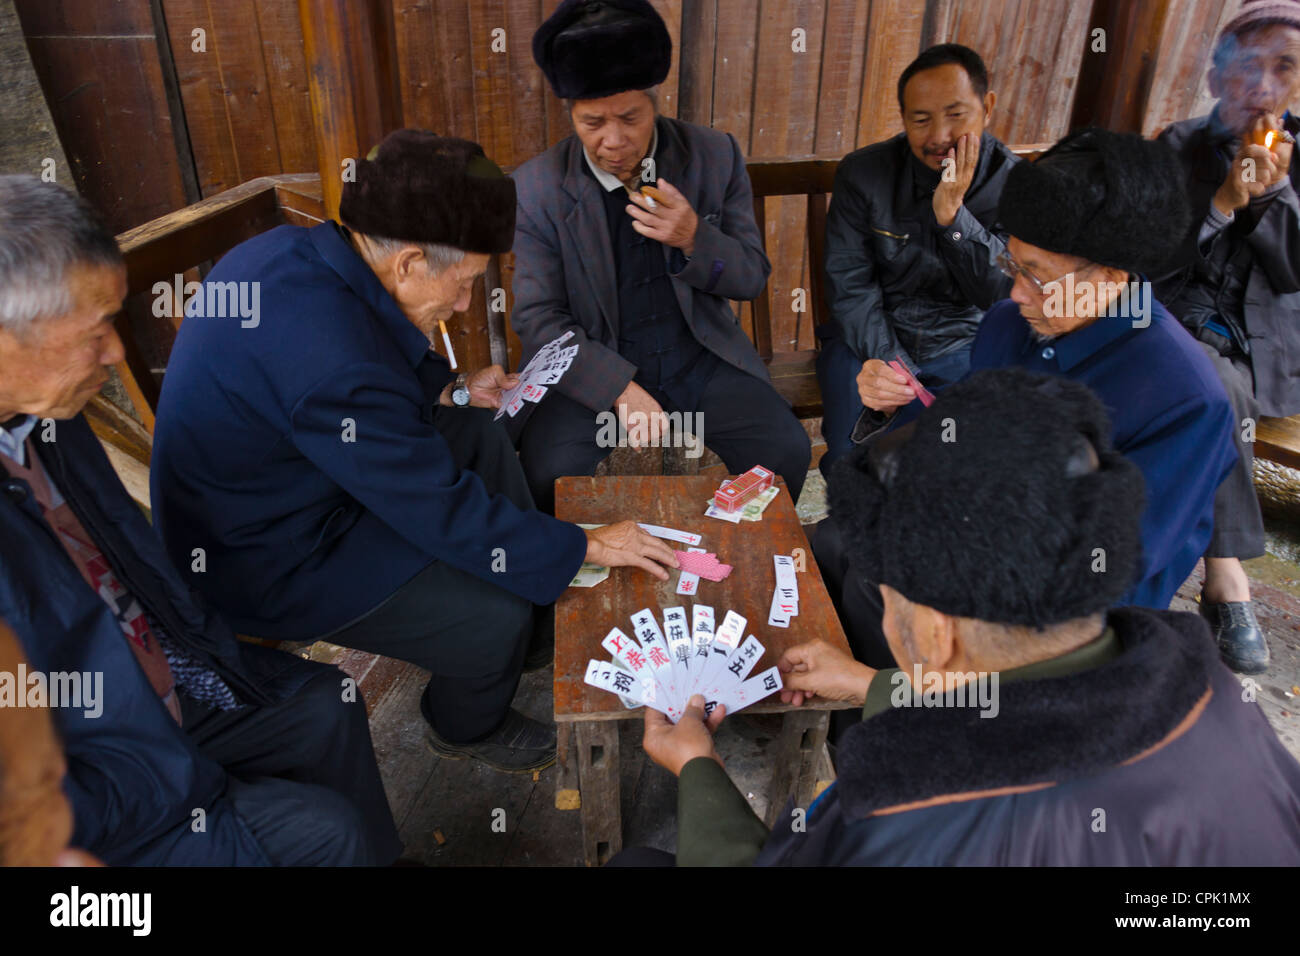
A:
(13, 441)
(609, 180)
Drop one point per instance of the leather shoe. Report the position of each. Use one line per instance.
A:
(1241, 642)
(519, 745)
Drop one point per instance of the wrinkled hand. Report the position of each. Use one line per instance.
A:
(673, 746)
(883, 389)
(672, 222)
(624, 545)
(486, 385)
(817, 669)
(1255, 167)
(949, 196)
(648, 423)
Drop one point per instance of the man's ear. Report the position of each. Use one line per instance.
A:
(936, 636)
(408, 262)
(1215, 79)
(990, 99)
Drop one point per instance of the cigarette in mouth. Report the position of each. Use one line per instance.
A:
(446, 340)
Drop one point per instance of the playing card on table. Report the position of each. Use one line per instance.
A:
(688, 583)
(671, 534)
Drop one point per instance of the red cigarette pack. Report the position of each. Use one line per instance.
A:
(733, 495)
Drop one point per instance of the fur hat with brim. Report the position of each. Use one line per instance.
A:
(1111, 198)
(1003, 502)
(419, 186)
(590, 49)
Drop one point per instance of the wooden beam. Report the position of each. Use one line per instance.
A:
(1114, 85)
(355, 101)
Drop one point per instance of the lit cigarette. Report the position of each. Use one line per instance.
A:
(446, 340)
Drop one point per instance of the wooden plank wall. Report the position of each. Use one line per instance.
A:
(739, 66)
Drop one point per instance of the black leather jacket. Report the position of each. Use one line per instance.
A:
(1247, 277)
(897, 283)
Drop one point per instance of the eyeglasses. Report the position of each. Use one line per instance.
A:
(1012, 269)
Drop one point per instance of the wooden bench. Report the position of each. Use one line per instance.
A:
(187, 241)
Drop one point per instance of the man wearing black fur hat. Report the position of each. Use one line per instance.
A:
(641, 278)
(1028, 722)
(1236, 286)
(1086, 221)
(329, 476)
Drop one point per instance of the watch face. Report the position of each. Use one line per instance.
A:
(460, 396)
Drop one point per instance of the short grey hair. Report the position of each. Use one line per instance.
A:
(652, 92)
(45, 230)
(437, 256)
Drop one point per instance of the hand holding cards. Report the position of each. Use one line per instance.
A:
(663, 669)
(542, 371)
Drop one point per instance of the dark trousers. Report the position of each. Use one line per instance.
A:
(745, 422)
(837, 374)
(1238, 524)
(470, 634)
(856, 599)
(303, 773)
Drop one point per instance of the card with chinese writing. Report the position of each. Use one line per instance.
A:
(664, 668)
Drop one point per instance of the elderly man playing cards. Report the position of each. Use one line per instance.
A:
(320, 471)
(633, 234)
(1029, 721)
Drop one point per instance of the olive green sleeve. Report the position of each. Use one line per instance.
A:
(715, 824)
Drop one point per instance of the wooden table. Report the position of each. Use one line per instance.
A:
(587, 718)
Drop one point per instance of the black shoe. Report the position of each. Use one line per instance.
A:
(541, 652)
(519, 745)
(1241, 642)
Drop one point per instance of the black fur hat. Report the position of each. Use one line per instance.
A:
(590, 49)
(991, 505)
(423, 187)
(1112, 198)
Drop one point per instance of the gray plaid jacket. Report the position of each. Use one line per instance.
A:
(564, 261)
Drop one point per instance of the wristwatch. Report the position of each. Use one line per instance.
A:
(460, 391)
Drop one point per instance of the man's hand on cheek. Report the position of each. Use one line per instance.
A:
(673, 746)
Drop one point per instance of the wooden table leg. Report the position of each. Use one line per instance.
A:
(568, 795)
(598, 780)
(803, 734)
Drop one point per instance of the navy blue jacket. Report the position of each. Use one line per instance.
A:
(304, 531)
(134, 777)
(1169, 415)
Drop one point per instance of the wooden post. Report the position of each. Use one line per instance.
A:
(1114, 86)
(351, 62)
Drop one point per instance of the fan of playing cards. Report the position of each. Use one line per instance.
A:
(542, 371)
(665, 672)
